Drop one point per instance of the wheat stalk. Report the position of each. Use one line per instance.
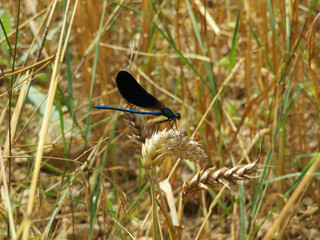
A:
(155, 150)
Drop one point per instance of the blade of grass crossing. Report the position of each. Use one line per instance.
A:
(285, 103)
(66, 102)
(114, 174)
(273, 25)
(59, 203)
(255, 36)
(139, 188)
(243, 219)
(293, 98)
(151, 42)
(10, 101)
(13, 66)
(69, 80)
(94, 70)
(97, 182)
(59, 108)
(313, 8)
(206, 64)
(162, 18)
(55, 212)
(282, 111)
(6, 36)
(97, 124)
(54, 169)
(234, 41)
(69, 76)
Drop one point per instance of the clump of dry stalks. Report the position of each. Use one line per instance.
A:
(169, 143)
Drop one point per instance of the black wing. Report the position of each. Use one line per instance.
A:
(132, 91)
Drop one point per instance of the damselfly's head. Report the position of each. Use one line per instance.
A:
(178, 116)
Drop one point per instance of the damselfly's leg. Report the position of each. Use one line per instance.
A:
(172, 122)
(158, 124)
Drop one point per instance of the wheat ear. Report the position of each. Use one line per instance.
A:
(138, 129)
(209, 178)
(169, 143)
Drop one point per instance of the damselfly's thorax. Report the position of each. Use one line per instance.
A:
(169, 114)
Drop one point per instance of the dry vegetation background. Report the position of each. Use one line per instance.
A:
(243, 74)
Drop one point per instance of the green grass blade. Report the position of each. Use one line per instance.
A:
(66, 102)
(11, 82)
(273, 25)
(292, 100)
(16, 39)
(6, 36)
(161, 16)
(97, 182)
(243, 218)
(69, 80)
(234, 41)
(255, 36)
(94, 70)
(59, 108)
(151, 42)
(285, 103)
(69, 77)
(55, 212)
(206, 64)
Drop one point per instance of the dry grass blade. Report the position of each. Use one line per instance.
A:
(38, 65)
(14, 120)
(6, 196)
(166, 188)
(208, 17)
(45, 124)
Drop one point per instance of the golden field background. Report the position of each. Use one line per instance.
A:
(244, 76)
